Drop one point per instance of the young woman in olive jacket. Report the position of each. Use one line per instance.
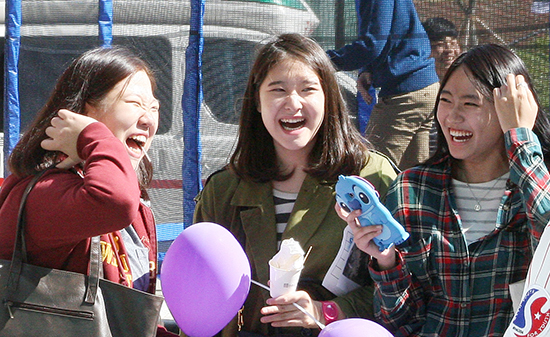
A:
(295, 138)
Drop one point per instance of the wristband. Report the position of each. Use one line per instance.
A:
(330, 312)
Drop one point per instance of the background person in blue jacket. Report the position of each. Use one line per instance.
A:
(392, 53)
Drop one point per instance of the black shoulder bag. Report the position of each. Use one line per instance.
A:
(45, 302)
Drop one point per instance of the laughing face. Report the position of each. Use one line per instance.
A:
(444, 53)
(292, 104)
(469, 121)
(130, 111)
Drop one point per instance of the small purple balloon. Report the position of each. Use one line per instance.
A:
(205, 279)
(354, 327)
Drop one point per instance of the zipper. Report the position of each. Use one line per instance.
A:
(240, 319)
(81, 314)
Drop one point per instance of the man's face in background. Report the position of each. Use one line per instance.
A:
(444, 52)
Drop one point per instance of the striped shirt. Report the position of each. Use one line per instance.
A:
(478, 223)
(441, 286)
(284, 203)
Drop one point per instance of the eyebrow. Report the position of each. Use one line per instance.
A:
(310, 82)
(470, 96)
(274, 83)
(143, 98)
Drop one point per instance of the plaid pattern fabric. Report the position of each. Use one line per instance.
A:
(447, 288)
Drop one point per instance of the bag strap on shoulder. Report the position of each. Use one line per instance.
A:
(19, 256)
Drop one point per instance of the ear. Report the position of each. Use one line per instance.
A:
(91, 111)
(257, 102)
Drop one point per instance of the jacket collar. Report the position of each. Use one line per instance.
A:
(257, 215)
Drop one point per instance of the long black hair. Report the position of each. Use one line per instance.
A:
(488, 67)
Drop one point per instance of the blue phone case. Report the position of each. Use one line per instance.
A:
(354, 192)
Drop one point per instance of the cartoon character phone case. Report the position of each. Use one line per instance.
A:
(354, 192)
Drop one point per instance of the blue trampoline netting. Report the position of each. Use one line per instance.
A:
(202, 53)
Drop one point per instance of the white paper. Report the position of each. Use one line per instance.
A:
(334, 280)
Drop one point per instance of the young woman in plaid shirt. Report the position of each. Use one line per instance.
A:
(475, 210)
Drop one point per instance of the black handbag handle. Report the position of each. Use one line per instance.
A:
(20, 251)
(93, 277)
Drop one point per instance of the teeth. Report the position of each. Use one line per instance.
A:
(140, 140)
(460, 135)
(292, 120)
(292, 124)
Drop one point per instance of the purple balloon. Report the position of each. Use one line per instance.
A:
(354, 327)
(205, 279)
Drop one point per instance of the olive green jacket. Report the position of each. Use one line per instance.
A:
(247, 210)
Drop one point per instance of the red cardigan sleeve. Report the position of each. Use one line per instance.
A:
(64, 210)
(63, 207)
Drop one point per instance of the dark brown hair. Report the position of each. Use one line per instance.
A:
(339, 148)
(87, 80)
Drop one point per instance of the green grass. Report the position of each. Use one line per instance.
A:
(537, 59)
